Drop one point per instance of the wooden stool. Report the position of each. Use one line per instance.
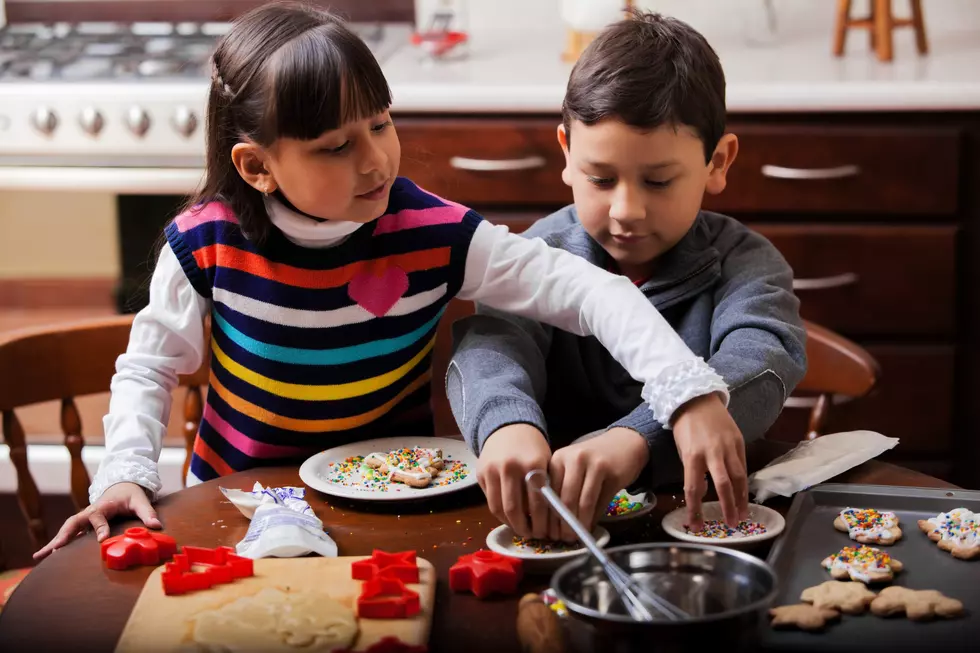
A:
(576, 40)
(879, 24)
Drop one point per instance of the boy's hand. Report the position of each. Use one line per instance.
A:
(119, 500)
(708, 440)
(508, 455)
(587, 475)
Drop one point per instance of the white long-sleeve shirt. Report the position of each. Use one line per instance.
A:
(503, 270)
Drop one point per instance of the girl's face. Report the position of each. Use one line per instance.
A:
(345, 174)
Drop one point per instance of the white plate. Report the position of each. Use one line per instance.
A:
(501, 540)
(320, 471)
(648, 499)
(674, 522)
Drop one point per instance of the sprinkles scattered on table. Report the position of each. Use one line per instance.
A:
(354, 473)
(719, 530)
(543, 546)
(621, 505)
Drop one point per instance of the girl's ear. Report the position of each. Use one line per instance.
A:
(250, 161)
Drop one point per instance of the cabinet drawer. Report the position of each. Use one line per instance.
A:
(813, 169)
(913, 401)
(485, 161)
(872, 280)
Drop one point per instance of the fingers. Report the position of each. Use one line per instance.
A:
(740, 481)
(695, 486)
(512, 498)
(490, 483)
(75, 525)
(556, 470)
(571, 489)
(540, 517)
(144, 510)
(724, 489)
(99, 524)
(591, 491)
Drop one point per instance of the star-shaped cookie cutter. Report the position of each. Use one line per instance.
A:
(485, 573)
(381, 564)
(221, 566)
(387, 598)
(137, 546)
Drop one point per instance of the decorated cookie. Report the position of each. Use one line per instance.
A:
(917, 605)
(869, 526)
(850, 597)
(802, 616)
(956, 531)
(864, 563)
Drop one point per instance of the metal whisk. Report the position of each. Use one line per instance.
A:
(634, 596)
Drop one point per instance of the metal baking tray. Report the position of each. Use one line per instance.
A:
(810, 536)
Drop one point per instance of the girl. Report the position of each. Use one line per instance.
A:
(325, 275)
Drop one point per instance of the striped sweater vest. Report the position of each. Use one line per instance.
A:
(314, 348)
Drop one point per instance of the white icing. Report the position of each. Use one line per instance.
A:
(961, 526)
(889, 520)
(856, 570)
(375, 457)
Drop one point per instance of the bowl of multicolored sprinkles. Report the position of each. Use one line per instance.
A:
(540, 555)
(343, 471)
(762, 524)
(628, 506)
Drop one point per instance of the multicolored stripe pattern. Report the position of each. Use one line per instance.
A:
(300, 361)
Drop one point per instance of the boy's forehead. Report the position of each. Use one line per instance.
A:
(612, 139)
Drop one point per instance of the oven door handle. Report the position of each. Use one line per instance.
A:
(122, 181)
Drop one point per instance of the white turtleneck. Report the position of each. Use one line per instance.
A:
(505, 271)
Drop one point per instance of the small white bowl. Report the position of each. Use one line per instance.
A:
(501, 540)
(648, 499)
(674, 522)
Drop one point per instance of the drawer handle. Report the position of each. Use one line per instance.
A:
(497, 165)
(810, 174)
(826, 283)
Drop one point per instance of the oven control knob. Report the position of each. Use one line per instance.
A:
(184, 121)
(138, 121)
(91, 121)
(44, 120)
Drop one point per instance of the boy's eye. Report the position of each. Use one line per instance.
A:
(338, 149)
(601, 182)
(658, 184)
(381, 126)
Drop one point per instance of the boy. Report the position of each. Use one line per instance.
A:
(643, 133)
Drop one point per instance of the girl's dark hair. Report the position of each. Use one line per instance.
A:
(284, 70)
(649, 70)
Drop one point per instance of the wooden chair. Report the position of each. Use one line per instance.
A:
(880, 24)
(61, 362)
(838, 371)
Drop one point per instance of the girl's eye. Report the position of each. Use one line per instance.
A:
(381, 127)
(601, 182)
(338, 149)
(658, 184)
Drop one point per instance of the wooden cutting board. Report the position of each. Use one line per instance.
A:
(164, 623)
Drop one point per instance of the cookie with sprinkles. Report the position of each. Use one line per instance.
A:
(864, 563)
(869, 526)
(957, 532)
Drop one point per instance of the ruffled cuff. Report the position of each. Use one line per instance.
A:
(680, 383)
(129, 469)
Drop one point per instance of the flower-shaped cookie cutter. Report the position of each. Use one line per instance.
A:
(137, 546)
(485, 573)
(221, 566)
(387, 598)
(381, 564)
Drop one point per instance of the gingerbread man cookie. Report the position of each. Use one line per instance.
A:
(865, 563)
(917, 605)
(956, 531)
(802, 616)
(869, 526)
(850, 597)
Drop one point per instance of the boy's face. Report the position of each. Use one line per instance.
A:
(637, 193)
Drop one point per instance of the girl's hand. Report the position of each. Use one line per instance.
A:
(708, 440)
(508, 455)
(588, 474)
(119, 500)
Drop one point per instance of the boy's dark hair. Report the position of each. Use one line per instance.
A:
(284, 70)
(646, 71)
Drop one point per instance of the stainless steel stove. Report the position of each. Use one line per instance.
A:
(115, 107)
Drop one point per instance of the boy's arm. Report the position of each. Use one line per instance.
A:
(758, 345)
(500, 360)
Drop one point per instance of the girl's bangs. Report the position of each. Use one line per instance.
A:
(323, 80)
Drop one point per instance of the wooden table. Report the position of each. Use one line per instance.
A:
(72, 603)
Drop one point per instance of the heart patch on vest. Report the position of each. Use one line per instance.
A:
(378, 293)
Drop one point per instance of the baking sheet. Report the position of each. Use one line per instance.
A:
(810, 536)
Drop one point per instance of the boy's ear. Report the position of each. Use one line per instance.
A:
(250, 161)
(566, 173)
(721, 161)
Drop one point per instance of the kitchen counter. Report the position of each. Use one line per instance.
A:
(522, 72)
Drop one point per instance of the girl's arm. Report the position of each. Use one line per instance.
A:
(167, 339)
(529, 278)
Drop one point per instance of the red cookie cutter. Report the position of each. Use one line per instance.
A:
(223, 566)
(484, 573)
(381, 564)
(137, 546)
(392, 645)
(387, 598)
